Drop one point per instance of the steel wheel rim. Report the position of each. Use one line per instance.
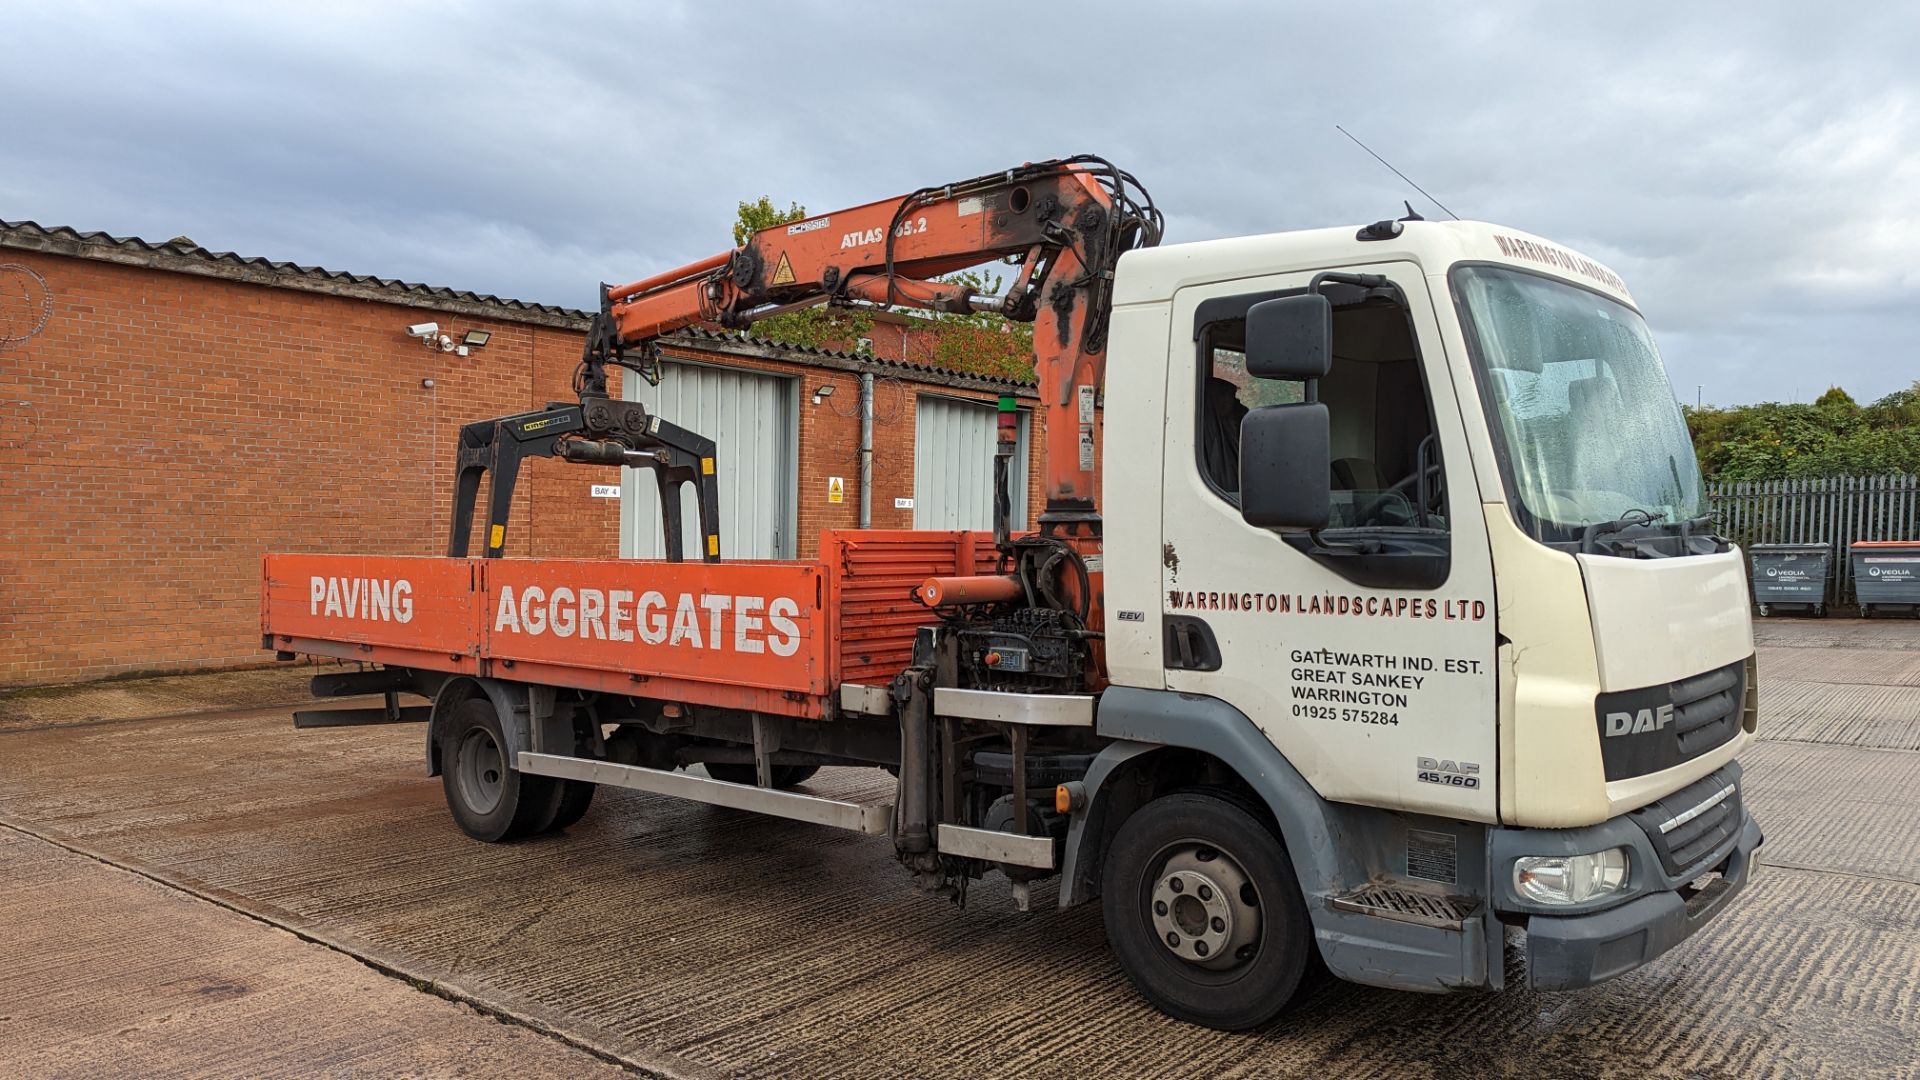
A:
(1204, 908)
(481, 771)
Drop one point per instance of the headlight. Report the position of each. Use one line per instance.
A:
(1570, 879)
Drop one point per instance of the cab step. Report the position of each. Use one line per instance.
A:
(1392, 900)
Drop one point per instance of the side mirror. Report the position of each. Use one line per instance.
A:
(1290, 337)
(1285, 464)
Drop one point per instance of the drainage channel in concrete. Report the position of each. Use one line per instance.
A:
(110, 972)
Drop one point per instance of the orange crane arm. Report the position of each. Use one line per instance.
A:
(1064, 222)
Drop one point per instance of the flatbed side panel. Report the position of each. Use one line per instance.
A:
(791, 703)
(387, 655)
(745, 631)
(422, 605)
(874, 574)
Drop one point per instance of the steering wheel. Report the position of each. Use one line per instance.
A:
(1413, 478)
(1406, 484)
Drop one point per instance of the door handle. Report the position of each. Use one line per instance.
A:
(1190, 644)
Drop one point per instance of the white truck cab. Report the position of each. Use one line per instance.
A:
(1414, 505)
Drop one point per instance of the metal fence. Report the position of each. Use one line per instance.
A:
(1833, 510)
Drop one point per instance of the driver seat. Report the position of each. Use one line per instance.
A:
(1356, 474)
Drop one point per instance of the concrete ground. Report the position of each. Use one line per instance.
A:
(166, 695)
(688, 940)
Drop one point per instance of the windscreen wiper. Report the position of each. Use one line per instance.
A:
(1589, 539)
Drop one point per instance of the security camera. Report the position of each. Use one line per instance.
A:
(424, 331)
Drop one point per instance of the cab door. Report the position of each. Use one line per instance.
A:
(1364, 651)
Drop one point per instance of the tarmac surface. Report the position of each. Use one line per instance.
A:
(142, 860)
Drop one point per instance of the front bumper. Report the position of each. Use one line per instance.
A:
(1568, 952)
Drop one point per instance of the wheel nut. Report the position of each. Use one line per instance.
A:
(1177, 885)
(1159, 907)
(1173, 939)
(1199, 948)
(1206, 893)
(1219, 925)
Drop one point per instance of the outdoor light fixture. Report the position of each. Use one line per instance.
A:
(822, 393)
(429, 333)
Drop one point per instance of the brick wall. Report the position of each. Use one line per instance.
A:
(166, 429)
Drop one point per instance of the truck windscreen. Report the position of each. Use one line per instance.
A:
(1585, 422)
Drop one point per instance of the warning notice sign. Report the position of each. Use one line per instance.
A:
(783, 271)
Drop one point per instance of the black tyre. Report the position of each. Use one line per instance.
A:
(489, 800)
(575, 797)
(1204, 912)
(784, 776)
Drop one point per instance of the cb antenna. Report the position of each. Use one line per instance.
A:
(1396, 172)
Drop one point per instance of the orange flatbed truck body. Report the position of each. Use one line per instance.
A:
(769, 637)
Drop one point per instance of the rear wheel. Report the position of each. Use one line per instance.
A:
(1204, 912)
(784, 776)
(575, 797)
(489, 800)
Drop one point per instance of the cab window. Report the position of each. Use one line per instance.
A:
(1379, 413)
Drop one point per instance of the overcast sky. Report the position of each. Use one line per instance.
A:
(1753, 174)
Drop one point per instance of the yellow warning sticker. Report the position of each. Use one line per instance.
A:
(713, 544)
(836, 489)
(498, 537)
(706, 466)
(783, 271)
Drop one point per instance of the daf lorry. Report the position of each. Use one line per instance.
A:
(1398, 640)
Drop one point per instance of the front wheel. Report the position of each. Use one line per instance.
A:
(1204, 912)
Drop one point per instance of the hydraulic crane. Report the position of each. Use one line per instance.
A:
(1065, 223)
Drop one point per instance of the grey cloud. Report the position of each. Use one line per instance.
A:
(1753, 173)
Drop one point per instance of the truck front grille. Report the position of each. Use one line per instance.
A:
(1690, 824)
(1658, 727)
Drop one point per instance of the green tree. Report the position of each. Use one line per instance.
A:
(1833, 436)
(981, 342)
(760, 215)
(813, 328)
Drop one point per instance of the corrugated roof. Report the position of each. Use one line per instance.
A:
(193, 259)
(131, 250)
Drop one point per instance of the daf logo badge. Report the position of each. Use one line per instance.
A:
(1633, 723)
